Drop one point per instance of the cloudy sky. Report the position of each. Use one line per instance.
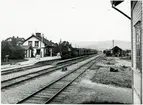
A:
(72, 20)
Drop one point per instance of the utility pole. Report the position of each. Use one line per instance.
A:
(41, 48)
(113, 43)
(60, 45)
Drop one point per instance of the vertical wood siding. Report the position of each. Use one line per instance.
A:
(142, 38)
(136, 16)
(142, 52)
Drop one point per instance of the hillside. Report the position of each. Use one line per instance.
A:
(103, 44)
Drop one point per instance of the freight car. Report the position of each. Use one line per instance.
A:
(75, 52)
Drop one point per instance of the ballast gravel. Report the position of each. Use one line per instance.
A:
(16, 74)
(13, 95)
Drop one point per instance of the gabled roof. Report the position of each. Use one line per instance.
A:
(47, 42)
(42, 39)
(116, 47)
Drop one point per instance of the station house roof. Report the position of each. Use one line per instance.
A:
(42, 39)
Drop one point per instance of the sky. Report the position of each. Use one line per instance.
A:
(71, 20)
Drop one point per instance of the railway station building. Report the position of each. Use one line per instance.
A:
(136, 19)
(137, 46)
(37, 45)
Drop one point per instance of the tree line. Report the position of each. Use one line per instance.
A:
(11, 49)
(14, 51)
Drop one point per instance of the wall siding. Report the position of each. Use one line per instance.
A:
(142, 53)
(142, 38)
(136, 17)
(33, 39)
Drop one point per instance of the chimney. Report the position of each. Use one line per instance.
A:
(38, 35)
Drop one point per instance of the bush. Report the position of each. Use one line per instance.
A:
(14, 52)
(6, 49)
(17, 53)
(108, 53)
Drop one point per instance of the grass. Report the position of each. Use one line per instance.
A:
(128, 58)
(13, 61)
(90, 93)
(87, 92)
(122, 78)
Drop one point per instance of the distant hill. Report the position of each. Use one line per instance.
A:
(103, 44)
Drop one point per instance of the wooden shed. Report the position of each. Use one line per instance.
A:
(117, 51)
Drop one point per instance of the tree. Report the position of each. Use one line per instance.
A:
(14, 41)
(6, 49)
(11, 49)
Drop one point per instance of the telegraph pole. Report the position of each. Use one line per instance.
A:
(60, 45)
(40, 48)
(41, 42)
(113, 43)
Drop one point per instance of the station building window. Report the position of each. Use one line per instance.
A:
(36, 43)
(138, 44)
(30, 43)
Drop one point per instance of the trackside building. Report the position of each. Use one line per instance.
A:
(136, 45)
(137, 48)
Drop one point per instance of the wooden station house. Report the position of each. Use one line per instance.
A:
(37, 45)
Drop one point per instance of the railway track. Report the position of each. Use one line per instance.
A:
(5, 72)
(46, 94)
(25, 77)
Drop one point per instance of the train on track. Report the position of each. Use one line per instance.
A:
(75, 52)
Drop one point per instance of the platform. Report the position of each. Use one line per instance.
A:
(31, 61)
